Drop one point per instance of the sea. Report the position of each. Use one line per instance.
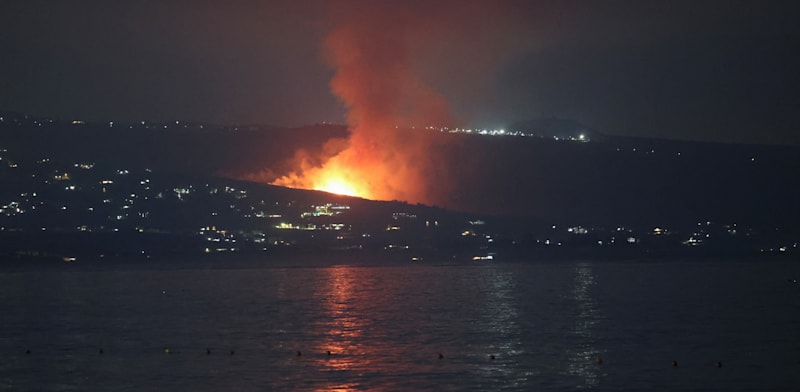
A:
(525, 325)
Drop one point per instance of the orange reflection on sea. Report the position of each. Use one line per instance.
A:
(344, 355)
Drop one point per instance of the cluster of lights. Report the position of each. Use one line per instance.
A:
(502, 132)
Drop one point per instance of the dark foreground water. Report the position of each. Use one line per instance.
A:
(545, 324)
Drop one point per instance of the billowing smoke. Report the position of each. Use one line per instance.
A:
(377, 50)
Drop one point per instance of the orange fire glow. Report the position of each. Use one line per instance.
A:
(338, 175)
(337, 184)
(374, 48)
(375, 81)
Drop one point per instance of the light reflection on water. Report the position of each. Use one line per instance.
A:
(583, 354)
(499, 290)
(341, 327)
(385, 328)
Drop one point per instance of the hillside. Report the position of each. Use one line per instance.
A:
(607, 179)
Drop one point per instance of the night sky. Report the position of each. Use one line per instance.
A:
(718, 71)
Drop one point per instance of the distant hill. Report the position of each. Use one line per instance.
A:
(608, 180)
(178, 146)
(53, 211)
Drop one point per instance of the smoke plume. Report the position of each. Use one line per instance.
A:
(378, 51)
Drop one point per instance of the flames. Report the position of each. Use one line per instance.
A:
(335, 183)
(335, 175)
(338, 180)
(380, 165)
(376, 81)
(343, 174)
(375, 49)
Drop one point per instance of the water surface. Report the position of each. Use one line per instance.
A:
(515, 326)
